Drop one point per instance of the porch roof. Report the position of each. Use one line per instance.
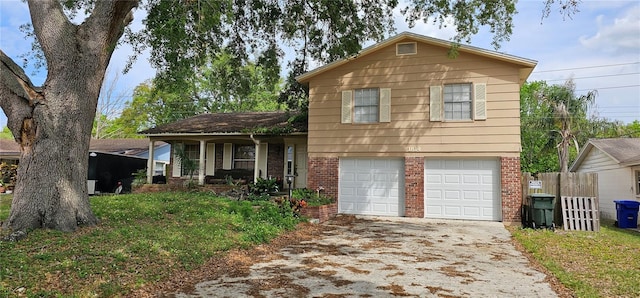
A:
(122, 146)
(265, 123)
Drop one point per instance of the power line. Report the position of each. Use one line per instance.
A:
(612, 87)
(585, 67)
(600, 76)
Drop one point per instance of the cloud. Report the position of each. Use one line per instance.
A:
(620, 37)
(429, 28)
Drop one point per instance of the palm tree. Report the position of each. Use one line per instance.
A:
(566, 108)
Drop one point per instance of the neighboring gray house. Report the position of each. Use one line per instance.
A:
(137, 148)
(617, 162)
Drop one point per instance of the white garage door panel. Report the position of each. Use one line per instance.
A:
(462, 189)
(371, 186)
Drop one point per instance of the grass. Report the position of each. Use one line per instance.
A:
(142, 239)
(603, 264)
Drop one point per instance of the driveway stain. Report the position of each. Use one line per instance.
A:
(353, 256)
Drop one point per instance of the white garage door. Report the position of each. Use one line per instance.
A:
(462, 189)
(371, 186)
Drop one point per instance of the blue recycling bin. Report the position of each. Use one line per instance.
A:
(627, 214)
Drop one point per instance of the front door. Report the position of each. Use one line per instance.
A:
(301, 166)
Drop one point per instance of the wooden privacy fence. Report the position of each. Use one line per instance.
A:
(576, 206)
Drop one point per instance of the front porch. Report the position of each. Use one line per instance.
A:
(243, 158)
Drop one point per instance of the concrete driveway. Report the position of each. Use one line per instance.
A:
(387, 257)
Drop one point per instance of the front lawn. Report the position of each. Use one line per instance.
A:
(142, 239)
(603, 264)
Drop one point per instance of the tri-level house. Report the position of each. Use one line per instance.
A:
(400, 129)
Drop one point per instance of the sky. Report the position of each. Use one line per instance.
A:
(599, 48)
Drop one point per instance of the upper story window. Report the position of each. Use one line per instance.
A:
(457, 102)
(366, 106)
(244, 157)
(370, 105)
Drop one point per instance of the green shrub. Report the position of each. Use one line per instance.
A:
(263, 186)
(312, 198)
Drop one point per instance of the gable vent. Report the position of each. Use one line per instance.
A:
(406, 48)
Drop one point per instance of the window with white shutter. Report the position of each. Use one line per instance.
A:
(435, 103)
(480, 101)
(385, 105)
(458, 102)
(347, 98)
(367, 105)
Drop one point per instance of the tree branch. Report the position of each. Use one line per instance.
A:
(18, 96)
(51, 27)
(114, 15)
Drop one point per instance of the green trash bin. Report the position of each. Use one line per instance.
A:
(538, 211)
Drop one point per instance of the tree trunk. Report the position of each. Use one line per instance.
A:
(53, 124)
(51, 189)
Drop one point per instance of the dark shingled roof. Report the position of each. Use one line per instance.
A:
(117, 146)
(245, 122)
(623, 150)
(8, 147)
(122, 146)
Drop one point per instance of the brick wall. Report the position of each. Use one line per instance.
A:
(414, 186)
(511, 189)
(321, 213)
(275, 161)
(323, 171)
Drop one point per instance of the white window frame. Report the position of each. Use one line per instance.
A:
(366, 108)
(251, 161)
(454, 102)
(192, 151)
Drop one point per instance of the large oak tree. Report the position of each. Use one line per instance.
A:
(53, 123)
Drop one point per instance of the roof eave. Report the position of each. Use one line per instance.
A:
(527, 64)
(216, 134)
(581, 156)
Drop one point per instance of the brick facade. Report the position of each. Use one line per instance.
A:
(414, 186)
(321, 213)
(323, 171)
(275, 161)
(511, 191)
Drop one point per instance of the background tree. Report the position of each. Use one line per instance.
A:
(110, 103)
(555, 124)
(5, 133)
(538, 154)
(567, 109)
(53, 124)
(632, 129)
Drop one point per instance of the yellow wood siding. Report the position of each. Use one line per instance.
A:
(410, 132)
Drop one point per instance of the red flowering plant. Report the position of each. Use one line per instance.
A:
(311, 197)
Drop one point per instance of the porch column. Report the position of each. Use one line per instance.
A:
(201, 164)
(150, 162)
(256, 162)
